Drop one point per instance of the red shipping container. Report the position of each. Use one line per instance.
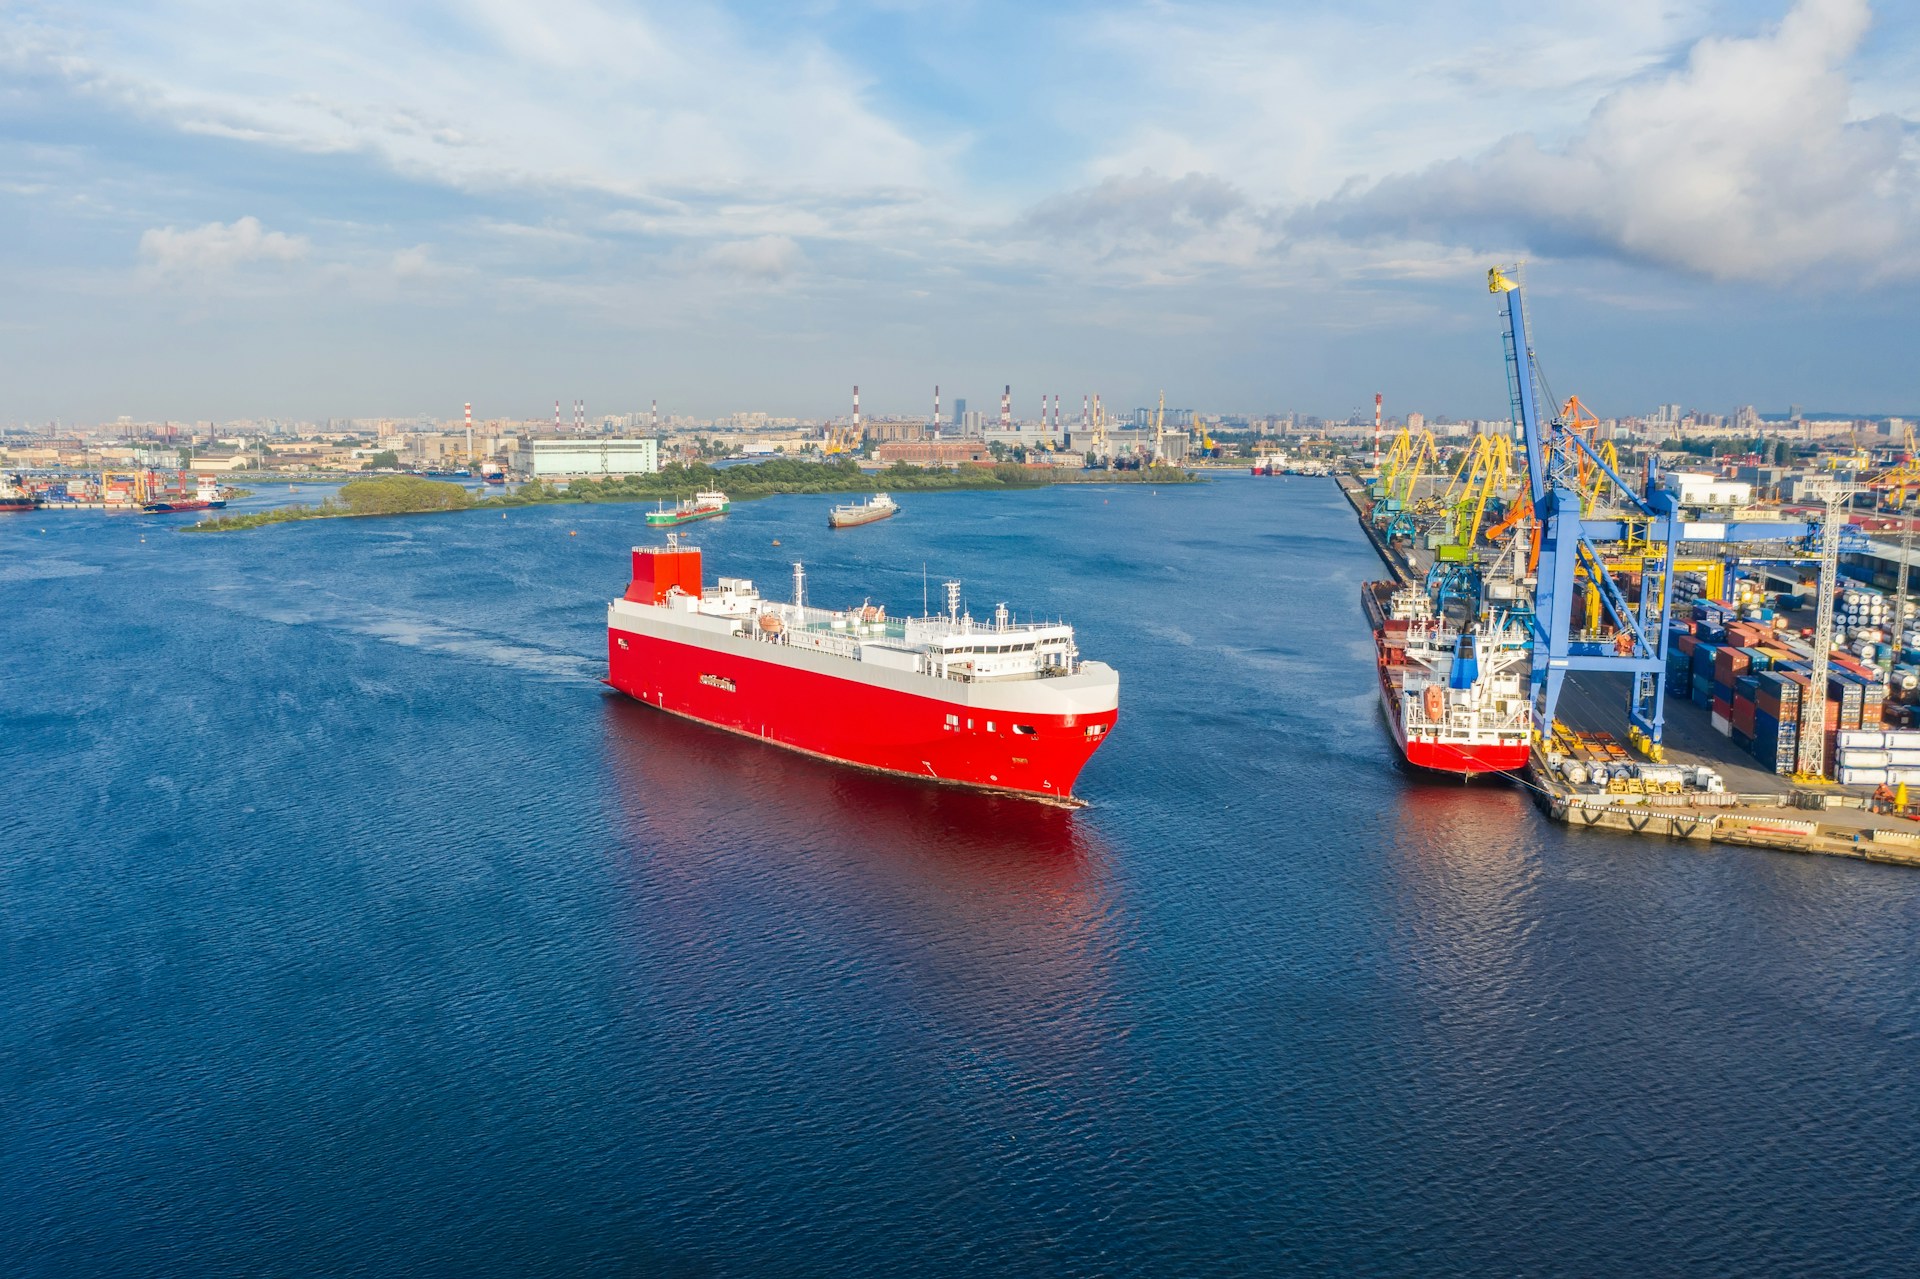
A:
(1743, 716)
(1723, 708)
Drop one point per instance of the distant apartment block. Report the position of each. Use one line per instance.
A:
(543, 459)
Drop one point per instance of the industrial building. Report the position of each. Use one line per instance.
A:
(933, 453)
(559, 459)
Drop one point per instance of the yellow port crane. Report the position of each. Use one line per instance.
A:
(1485, 470)
(1400, 470)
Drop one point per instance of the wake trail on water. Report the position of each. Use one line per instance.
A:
(394, 626)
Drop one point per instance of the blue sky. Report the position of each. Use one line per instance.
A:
(310, 209)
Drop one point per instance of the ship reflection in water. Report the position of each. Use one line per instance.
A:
(759, 875)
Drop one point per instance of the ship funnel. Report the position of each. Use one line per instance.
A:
(1466, 663)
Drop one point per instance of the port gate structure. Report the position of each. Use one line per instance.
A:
(1651, 525)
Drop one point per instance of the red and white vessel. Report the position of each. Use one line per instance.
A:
(996, 706)
(1456, 692)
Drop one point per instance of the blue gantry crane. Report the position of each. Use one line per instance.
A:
(1650, 522)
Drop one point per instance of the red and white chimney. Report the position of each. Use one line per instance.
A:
(1376, 430)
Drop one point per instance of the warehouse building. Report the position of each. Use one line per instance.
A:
(567, 459)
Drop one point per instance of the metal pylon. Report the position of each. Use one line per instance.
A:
(1813, 710)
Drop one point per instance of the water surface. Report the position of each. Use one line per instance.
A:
(352, 927)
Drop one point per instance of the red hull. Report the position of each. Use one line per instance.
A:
(1441, 757)
(183, 504)
(858, 723)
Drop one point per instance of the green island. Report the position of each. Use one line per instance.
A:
(413, 495)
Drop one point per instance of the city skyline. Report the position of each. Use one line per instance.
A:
(219, 214)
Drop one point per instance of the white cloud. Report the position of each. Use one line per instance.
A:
(764, 258)
(1150, 228)
(570, 94)
(217, 247)
(1747, 163)
(1291, 101)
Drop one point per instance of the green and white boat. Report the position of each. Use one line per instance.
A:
(701, 506)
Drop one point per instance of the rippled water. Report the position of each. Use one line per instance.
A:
(350, 927)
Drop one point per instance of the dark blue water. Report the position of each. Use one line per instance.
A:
(351, 928)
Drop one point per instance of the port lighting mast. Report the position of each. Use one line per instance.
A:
(1813, 710)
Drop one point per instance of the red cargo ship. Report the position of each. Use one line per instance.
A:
(1455, 693)
(995, 706)
(207, 497)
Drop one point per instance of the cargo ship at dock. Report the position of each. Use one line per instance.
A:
(1455, 689)
(14, 497)
(854, 514)
(207, 497)
(701, 506)
(997, 706)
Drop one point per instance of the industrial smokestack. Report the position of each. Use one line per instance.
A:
(1376, 430)
(856, 408)
(936, 404)
(1006, 407)
(655, 418)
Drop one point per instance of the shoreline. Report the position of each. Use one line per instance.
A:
(983, 481)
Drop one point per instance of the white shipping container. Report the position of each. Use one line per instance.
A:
(1721, 724)
(1901, 739)
(1871, 738)
(1906, 776)
(1864, 759)
(1862, 776)
(1903, 759)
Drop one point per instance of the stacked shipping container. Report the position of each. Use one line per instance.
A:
(1756, 681)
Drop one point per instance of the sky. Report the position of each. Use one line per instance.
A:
(346, 208)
